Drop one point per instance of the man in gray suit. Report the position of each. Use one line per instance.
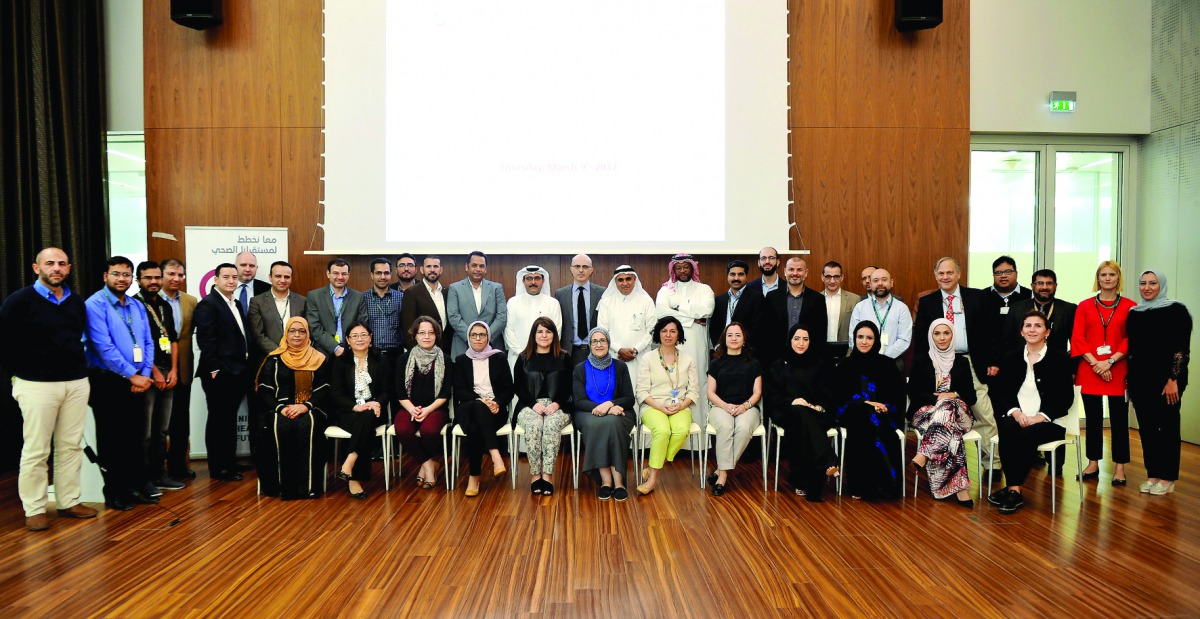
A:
(270, 311)
(331, 310)
(580, 305)
(475, 298)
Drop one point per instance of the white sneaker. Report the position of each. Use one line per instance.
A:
(1146, 486)
(1160, 488)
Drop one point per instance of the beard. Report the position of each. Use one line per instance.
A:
(768, 271)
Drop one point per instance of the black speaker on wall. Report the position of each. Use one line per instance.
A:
(918, 14)
(196, 14)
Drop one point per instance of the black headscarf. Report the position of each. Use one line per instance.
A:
(869, 372)
(809, 358)
(796, 375)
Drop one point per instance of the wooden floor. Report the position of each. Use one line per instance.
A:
(677, 553)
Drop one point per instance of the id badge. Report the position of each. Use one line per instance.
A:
(883, 339)
(1104, 350)
(674, 396)
(1004, 310)
(137, 354)
(337, 337)
(164, 344)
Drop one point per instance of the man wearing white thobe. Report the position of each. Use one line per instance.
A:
(628, 312)
(532, 301)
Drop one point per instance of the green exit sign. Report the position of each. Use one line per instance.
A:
(1062, 101)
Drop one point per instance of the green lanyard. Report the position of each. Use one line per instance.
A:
(885, 314)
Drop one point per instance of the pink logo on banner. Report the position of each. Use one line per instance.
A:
(205, 281)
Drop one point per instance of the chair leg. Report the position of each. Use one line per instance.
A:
(387, 463)
(979, 469)
(842, 464)
(574, 469)
(778, 449)
(514, 459)
(763, 441)
(903, 468)
(1079, 465)
(991, 467)
(1053, 482)
(446, 455)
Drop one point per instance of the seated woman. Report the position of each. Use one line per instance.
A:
(940, 394)
(1032, 389)
(422, 390)
(797, 396)
(734, 389)
(869, 393)
(483, 389)
(359, 396)
(542, 380)
(603, 413)
(292, 384)
(667, 387)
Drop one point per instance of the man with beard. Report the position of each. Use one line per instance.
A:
(383, 312)
(789, 305)
(475, 298)
(406, 272)
(888, 313)
(531, 302)
(426, 299)
(735, 306)
(165, 374)
(628, 312)
(1060, 315)
(691, 302)
(768, 265)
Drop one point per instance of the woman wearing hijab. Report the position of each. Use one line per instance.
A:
(604, 414)
(542, 380)
(941, 395)
(1160, 332)
(797, 397)
(734, 388)
(293, 383)
(483, 389)
(359, 395)
(422, 389)
(869, 393)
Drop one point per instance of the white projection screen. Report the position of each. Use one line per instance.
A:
(555, 126)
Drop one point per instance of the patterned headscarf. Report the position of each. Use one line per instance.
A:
(676, 259)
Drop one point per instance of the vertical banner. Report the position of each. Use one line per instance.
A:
(206, 248)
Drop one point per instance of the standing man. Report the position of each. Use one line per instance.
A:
(247, 266)
(223, 370)
(1060, 315)
(789, 305)
(839, 307)
(628, 312)
(270, 311)
(406, 272)
(383, 312)
(182, 307)
(165, 375)
(866, 281)
(426, 299)
(531, 302)
(1008, 293)
(579, 304)
(973, 313)
(768, 265)
(475, 298)
(120, 354)
(43, 327)
(890, 314)
(735, 305)
(331, 309)
(692, 302)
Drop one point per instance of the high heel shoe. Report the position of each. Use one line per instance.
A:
(471, 492)
(1089, 476)
(496, 472)
(967, 503)
(645, 473)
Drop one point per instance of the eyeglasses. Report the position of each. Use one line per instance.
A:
(478, 336)
(359, 336)
(1004, 272)
(119, 275)
(594, 342)
(831, 276)
(297, 331)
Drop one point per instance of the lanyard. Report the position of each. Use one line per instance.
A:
(1104, 323)
(384, 304)
(1042, 308)
(670, 378)
(885, 314)
(733, 301)
(126, 317)
(154, 313)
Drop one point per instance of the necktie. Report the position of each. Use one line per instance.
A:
(950, 307)
(581, 322)
(245, 302)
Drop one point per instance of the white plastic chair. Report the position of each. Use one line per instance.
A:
(391, 432)
(505, 431)
(338, 434)
(518, 436)
(970, 437)
(710, 431)
(903, 464)
(1070, 424)
(834, 434)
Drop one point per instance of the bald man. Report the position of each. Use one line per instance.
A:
(579, 303)
(248, 286)
(791, 303)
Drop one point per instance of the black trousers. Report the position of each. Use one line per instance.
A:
(224, 396)
(119, 414)
(180, 431)
(480, 425)
(806, 447)
(1018, 446)
(1118, 427)
(361, 426)
(1158, 424)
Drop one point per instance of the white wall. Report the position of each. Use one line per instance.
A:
(123, 64)
(1023, 49)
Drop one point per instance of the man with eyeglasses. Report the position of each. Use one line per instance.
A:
(532, 301)
(43, 353)
(165, 374)
(406, 272)
(331, 309)
(120, 354)
(768, 265)
(579, 304)
(735, 305)
(839, 306)
(1005, 287)
(183, 305)
(383, 312)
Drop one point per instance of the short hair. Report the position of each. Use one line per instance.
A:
(476, 253)
(381, 261)
(871, 266)
(662, 324)
(146, 265)
(1043, 273)
(1032, 313)
(531, 344)
(1004, 260)
(735, 263)
(957, 266)
(358, 323)
(833, 264)
(720, 350)
(116, 260)
(170, 262)
(337, 262)
(224, 265)
(403, 256)
(280, 263)
(1114, 266)
(416, 326)
(431, 257)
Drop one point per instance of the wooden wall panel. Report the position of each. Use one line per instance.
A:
(300, 169)
(244, 57)
(811, 67)
(178, 185)
(246, 180)
(178, 89)
(301, 69)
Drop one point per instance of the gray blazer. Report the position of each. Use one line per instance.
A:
(266, 325)
(460, 311)
(567, 304)
(322, 322)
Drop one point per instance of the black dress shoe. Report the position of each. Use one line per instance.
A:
(362, 496)
(343, 476)
(711, 479)
(242, 468)
(1087, 476)
(118, 505)
(604, 493)
(967, 503)
(997, 497)
(143, 498)
(1012, 503)
(718, 489)
(1119, 482)
(620, 494)
(226, 476)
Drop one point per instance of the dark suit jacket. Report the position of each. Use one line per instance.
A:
(756, 285)
(187, 306)
(501, 377)
(417, 303)
(747, 312)
(1061, 323)
(266, 325)
(222, 345)
(774, 321)
(979, 308)
(567, 304)
(1055, 383)
(322, 322)
(259, 287)
(341, 381)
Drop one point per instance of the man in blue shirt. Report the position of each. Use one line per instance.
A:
(120, 359)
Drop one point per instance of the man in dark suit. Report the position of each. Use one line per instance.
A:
(768, 265)
(426, 298)
(1007, 292)
(270, 311)
(579, 299)
(974, 314)
(331, 310)
(1060, 315)
(746, 308)
(787, 305)
(223, 370)
(248, 286)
